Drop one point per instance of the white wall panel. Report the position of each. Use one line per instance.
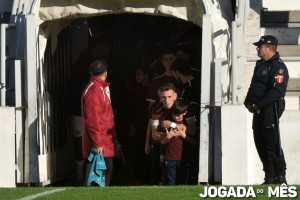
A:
(7, 147)
(240, 161)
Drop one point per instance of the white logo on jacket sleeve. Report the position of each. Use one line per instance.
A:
(107, 91)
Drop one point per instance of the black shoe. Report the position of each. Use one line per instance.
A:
(270, 180)
(281, 180)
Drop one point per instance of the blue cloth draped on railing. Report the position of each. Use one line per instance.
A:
(98, 167)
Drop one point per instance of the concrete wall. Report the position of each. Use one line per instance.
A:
(240, 161)
(252, 35)
(216, 31)
(290, 129)
(7, 144)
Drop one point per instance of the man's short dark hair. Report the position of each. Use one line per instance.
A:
(273, 47)
(181, 65)
(98, 67)
(180, 106)
(167, 86)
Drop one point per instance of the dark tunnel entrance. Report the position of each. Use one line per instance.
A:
(127, 42)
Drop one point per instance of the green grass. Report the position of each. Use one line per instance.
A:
(116, 193)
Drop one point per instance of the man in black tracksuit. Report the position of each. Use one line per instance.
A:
(265, 99)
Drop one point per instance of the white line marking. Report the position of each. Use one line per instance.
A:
(43, 194)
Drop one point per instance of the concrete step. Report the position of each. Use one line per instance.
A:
(293, 85)
(292, 97)
(292, 63)
(292, 16)
(253, 58)
(281, 5)
(293, 67)
(288, 36)
(292, 101)
(283, 25)
(289, 50)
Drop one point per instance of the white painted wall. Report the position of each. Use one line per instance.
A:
(292, 103)
(235, 145)
(7, 144)
(290, 134)
(219, 12)
(240, 161)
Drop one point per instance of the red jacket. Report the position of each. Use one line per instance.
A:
(98, 128)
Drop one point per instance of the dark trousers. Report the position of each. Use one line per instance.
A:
(266, 142)
(157, 160)
(183, 175)
(171, 168)
(108, 171)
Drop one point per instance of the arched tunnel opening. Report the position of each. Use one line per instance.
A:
(127, 42)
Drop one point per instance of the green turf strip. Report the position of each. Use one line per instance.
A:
(126, 193)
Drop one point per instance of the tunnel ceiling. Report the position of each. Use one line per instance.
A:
(57, 9)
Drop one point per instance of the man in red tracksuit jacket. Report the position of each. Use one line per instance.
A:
(98, 127)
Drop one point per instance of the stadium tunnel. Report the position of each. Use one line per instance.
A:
(68, 45)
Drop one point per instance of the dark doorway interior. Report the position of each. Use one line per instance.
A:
(128, 41)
